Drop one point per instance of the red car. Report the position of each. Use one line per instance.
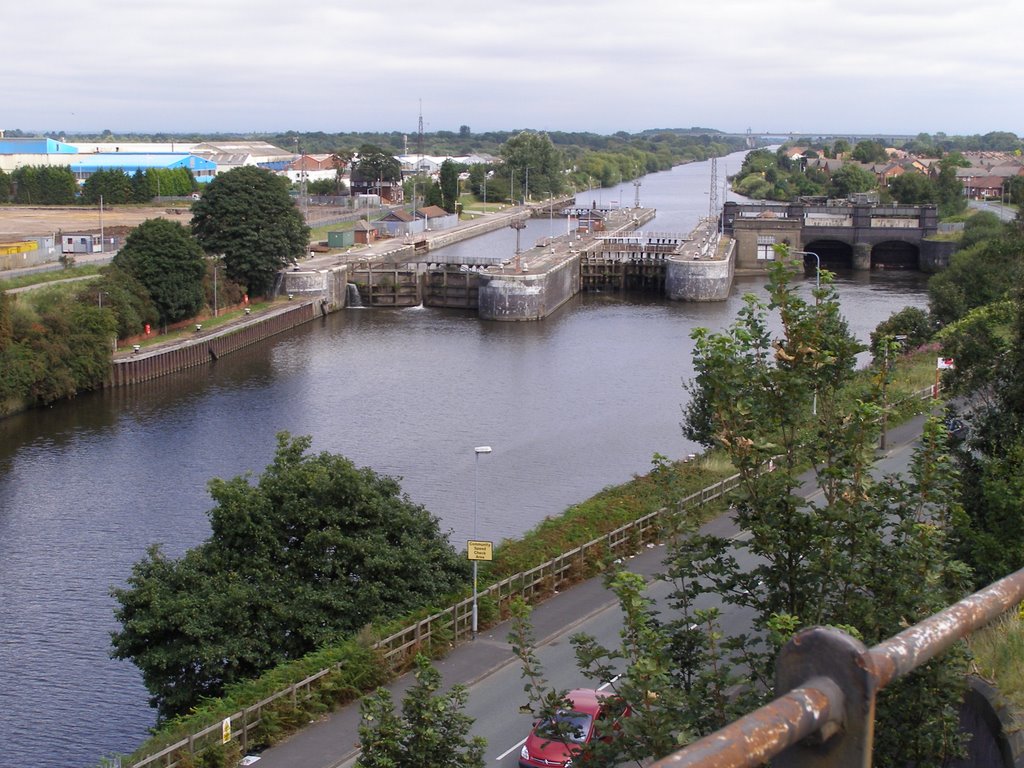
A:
(544, 747)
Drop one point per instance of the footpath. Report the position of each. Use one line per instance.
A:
(332, 741)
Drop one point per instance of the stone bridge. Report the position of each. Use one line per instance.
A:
(850, 235)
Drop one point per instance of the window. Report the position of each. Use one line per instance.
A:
(766, 247)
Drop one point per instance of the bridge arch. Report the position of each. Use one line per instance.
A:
(895, 254)
(833, 253)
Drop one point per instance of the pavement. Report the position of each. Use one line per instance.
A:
(332, 741)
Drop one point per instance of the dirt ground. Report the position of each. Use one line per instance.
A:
(17, 221)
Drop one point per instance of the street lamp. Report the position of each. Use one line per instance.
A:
(476, 495)
(817, 268)
(887, 342)
(817, 288)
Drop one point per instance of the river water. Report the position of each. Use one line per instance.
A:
(569, 405)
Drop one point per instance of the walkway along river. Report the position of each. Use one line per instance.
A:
(570, 404)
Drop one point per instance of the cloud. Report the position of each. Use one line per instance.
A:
(899, 66)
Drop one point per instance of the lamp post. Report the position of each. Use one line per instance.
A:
(817, 288)
(817, 267)
(476, 495)
(886, 343)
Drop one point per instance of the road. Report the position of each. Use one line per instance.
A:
(491, 672)
(1004, 212)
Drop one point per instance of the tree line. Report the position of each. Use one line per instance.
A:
(57, 185)
(775, 175)
(56, 344)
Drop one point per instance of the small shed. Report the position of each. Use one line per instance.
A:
(396, 223)
(341, 239)
(364, 233)
(437, 217)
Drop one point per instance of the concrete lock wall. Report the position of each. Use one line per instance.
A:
(528, 297)
(699, 280)
(330, 285)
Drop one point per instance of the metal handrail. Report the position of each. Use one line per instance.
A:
(839, 704)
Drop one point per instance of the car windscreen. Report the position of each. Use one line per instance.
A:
(570, 726)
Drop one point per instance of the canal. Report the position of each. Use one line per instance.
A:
(570, 405)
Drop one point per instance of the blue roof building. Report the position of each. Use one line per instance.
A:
(35, 146)
(130, 162)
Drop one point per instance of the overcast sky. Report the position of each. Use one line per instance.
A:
(806, 66)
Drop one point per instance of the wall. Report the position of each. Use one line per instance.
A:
(206, 347)
(703, 280)
(330, 285)
(526, 296)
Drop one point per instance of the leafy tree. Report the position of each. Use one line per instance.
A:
(5, 187)
(950, 188)
(1015, 189)
(913, 189)
(975, 277)
(55, 351)
(449, 186)
(910, 322)
(118, 292)
(44, 185)
(850, 179)
(247, 216)
(168, 262)
(375, 164)
(871, 556)
(432, 729)
(983, 225)
(315, 549)
(869, 151)
(840, 147)
(113, 186)
(534, 151)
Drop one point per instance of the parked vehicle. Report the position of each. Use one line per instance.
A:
(554, 742)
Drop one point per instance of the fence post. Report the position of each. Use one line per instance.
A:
(840, 666)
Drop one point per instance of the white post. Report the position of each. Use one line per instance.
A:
(476, 495)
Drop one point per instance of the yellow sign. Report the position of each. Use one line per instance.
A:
(225, 730)
(479, 550)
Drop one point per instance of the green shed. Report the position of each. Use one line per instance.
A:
(341, 239)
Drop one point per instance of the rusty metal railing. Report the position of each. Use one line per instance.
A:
(828, 682)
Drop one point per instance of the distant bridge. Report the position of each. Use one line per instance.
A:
(851, 235)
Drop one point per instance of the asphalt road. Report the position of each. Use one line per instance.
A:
(492, 673)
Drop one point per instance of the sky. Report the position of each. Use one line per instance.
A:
(898, 67)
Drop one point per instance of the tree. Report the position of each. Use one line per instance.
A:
(431, 731)
(449, 185)
(949, 186)
(871, 556)
(375, 164)
(534, 163)
(315, 549)
(113, 186)
(44, 185)
(976, 276)
(247, 216)
(850, 179)
(913, 189)
(5, 187)
(163, 256)
(869, 151)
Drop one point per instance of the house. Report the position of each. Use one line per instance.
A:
(315, 168)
